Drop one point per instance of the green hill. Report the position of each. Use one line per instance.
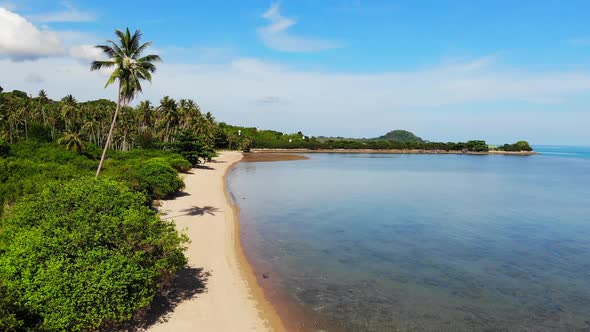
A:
(402, 136)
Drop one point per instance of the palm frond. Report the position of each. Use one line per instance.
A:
(138, 51)
(99, 64)
(134, 42)
(108, 50)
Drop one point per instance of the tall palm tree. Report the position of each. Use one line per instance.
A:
(43, 99)
(130, 67)
(145, 114)
(169, 115)
(69, 111)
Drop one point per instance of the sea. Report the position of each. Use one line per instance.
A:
(382, 242)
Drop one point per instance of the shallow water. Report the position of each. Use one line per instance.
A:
(424, 242)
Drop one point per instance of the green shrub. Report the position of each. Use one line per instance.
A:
(477, 146)
(39, 133)
(9, 312)
(85, 254)
(178, 163)
(4, 149)
(517, 147)
(192, 147)
(154, 177)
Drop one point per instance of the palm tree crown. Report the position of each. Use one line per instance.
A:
(130, 66)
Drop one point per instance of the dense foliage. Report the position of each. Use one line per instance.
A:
(30, 166)
(192, 147)
(402, 136)
(78, 125)
(518, 146)
(82, 255)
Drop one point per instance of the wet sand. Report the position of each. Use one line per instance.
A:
(256, 157)
(231, 299)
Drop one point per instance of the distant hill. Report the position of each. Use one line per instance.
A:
(402, 136)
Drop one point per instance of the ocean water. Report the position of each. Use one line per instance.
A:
(423, 242)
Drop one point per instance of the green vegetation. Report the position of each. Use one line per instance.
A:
(517, 147)
(477, 146)
(31, 166)
(89, 247)
(402, 136)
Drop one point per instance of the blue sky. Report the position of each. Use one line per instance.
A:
(447, 70)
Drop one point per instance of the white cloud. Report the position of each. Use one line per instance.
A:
(276, 35)
(450, 101)
(20, 39)
(69, 14)
(86, 52)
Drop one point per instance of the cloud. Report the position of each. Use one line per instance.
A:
(86, 53)
(34, 78)
(270, 100)
(21, 40)
(69, 14)
(276, 35)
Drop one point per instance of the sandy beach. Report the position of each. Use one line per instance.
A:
(231, 299)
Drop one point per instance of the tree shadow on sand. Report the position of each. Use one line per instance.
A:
(204, 167)
(195, 211)
(188, 283)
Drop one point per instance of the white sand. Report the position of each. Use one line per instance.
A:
(231, 301)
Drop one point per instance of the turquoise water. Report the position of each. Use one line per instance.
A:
(564, 151)
(424, 242)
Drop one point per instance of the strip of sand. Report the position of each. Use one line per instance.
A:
(392, 151)
(232, 301)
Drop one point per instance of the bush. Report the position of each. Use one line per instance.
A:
(192, 147)
(155, 177)
(40, 133)
(517, 147)
(178, 163)
(85, 254)
(4, 149)
(477, 146)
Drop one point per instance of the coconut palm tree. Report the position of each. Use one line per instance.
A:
(145, 115)
(43, 100)
(169, 115)
(130, 68)
(72, 141)
(69, 111)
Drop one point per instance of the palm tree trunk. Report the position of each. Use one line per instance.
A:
(109, 138)
(26, 131)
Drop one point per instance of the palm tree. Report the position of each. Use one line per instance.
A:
(43, 99)
(169, 114)
(130, 67)
(145, 114)
(69, 110)
(72, 141)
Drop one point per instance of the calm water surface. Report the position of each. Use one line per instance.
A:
(425, 242)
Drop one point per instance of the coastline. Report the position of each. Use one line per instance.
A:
(232, 299)
(396, 151)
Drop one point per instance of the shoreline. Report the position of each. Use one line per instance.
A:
(266, 309)
(396, 151)
(231, 300)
